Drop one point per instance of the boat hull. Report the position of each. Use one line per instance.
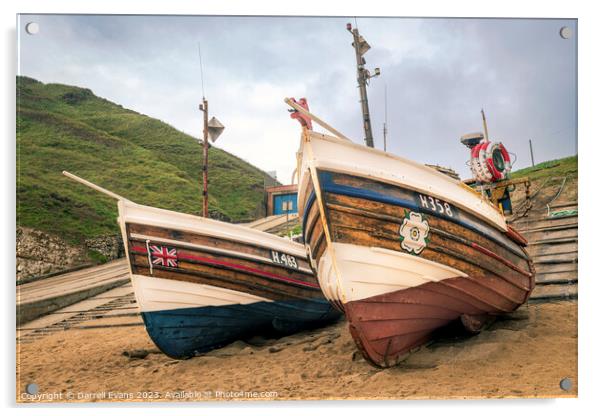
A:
(220, 317)
(201, 284)
(402, 262)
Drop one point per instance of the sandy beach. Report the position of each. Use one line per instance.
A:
(524, 354)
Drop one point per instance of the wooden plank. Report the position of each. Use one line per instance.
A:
(552, 249)
(29, 279)
(74, 309)
(556, 268)
(255, 274)
(261, 222)
(555, 260)
(563, 277)
(313, 218)
(565, 204)
(39, 293)
(206, 241)
(555, 227)
(547, 221)
(372, 232)
(32, 310)
(229, 279)
(138, 245)
(187, 258)
(386, 194)
(554, 292)
(198, 239)
(570, 257)
(552, 234)
(553, 241)
(320, 249)
(388, 218)
(69, 277)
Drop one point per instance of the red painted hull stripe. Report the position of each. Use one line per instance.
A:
(142, 250)
(499, 258)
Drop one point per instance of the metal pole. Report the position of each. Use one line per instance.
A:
(205, 109)
(361, 80)
(531, 149)
(485, 126)
(385, 123)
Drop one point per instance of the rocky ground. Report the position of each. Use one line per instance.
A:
(40, 253)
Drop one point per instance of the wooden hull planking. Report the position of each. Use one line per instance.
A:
(201, 284)
(394, 297)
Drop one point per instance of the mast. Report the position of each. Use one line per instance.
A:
(205, 143)
(205, 109)
(485, 126)
(385, 123)
(363, 75)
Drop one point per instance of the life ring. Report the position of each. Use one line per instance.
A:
(490, 162)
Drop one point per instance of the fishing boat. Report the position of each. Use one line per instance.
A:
(399, 247)
(201, 284)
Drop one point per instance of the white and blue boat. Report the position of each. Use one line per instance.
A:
(201, 284)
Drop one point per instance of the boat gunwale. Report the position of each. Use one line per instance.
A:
(272, 242)
(344, 168)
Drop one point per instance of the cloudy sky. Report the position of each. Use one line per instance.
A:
(438, 73)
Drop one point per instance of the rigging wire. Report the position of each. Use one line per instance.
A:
(201, 66)
(385, 124)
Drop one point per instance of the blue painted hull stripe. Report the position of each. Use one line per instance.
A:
(182, 333)
(328, 185)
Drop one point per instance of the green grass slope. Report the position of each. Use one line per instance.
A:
(552, 182)
(61, 127)
(565, 167)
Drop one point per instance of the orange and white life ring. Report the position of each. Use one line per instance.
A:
(490, 162)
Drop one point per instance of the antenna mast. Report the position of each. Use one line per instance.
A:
(385, 123)
(201, 65)
(363, 75)
(485, 125)
(204, 107)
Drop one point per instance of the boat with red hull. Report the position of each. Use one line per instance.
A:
(401, 248)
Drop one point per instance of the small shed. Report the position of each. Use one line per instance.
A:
(281, 200)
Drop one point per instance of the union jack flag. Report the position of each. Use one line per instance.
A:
(164, 256)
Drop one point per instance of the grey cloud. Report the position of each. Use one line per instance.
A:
(438, 72)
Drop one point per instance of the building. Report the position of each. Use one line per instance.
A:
(281, 200)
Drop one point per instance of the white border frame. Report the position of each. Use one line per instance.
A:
(589, 95)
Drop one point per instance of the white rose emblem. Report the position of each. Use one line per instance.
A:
(414, 232)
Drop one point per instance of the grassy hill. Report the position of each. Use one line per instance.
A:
(62, 127)
(560, 168)
(554, 181)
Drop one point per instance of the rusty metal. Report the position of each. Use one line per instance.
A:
(205, 109)
(361, 46)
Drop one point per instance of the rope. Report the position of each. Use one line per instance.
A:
(526, 202)
(557, 195)
(563, 213)
(150, 260)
